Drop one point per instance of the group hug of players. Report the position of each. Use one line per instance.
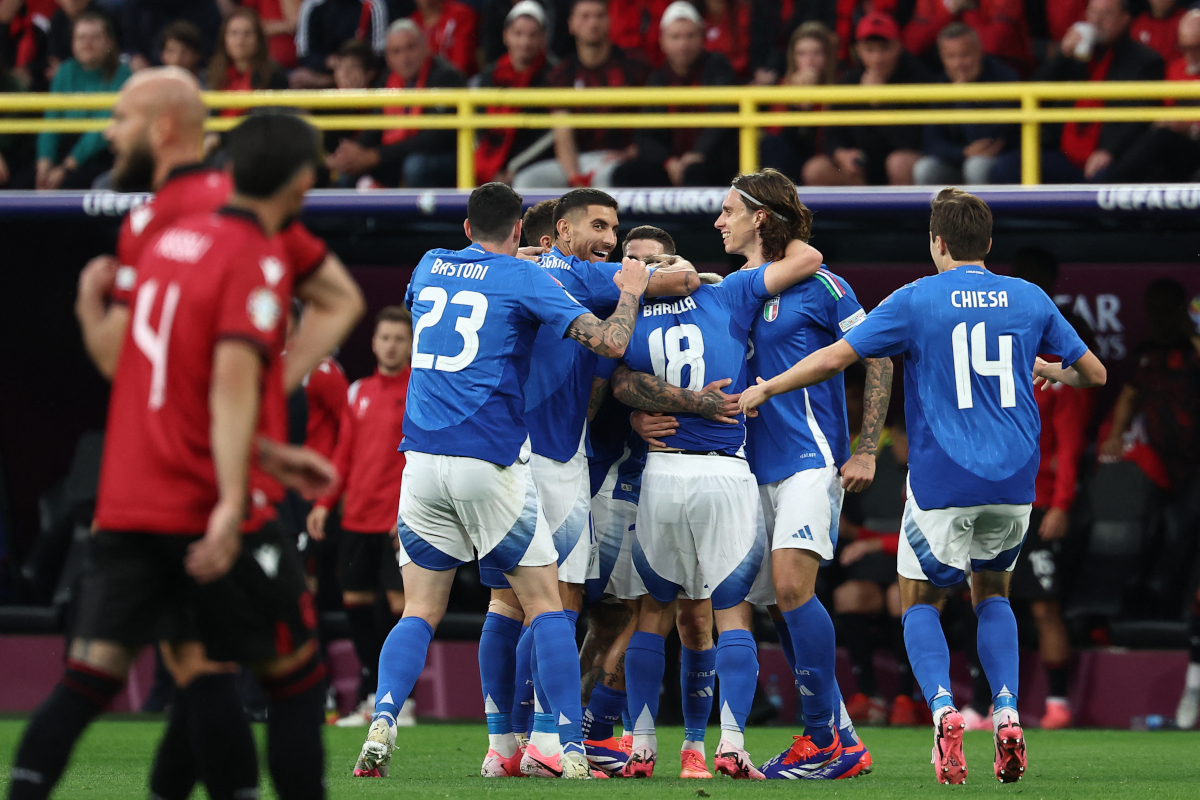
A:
(513, 353)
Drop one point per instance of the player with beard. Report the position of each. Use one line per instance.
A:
(156, 133)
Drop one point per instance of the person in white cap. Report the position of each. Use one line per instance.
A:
(500, 152)
(683, 156)
(587, 156)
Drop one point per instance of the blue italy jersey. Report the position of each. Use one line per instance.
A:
(475, 317)
(805, 429)
(612, 441)
(560, 379)
(969, 340)
(696, 340)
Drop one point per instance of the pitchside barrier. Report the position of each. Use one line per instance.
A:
(749, 109)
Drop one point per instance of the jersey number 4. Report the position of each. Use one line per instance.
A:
(669, 355)
(467, 327)
(975, 358)
(154, 343)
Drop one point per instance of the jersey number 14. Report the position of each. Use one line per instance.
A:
(975, 358)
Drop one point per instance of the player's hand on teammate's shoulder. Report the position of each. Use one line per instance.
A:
(653, 426)
(753, 397)
(301, 469)
(211, 557)
(531, 252)
(858, 472)
(98, 276)
(633, 276)
(666, 264)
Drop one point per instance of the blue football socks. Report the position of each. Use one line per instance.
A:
(815, 648)
(522, 705)
(999, 653)
(604, 710)
(697, 684)
(400, 664)
(497, 669)
(929, 655)
(737, 669)
(645, 664)
(557, 676)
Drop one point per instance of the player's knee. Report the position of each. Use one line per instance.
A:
(792, 593)
(695, 628)
(500, 607)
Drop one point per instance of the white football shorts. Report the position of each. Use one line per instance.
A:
(454, 509)
(614, 522)
(802, 511)
(699, 528)
(565, 490)
(941, 545)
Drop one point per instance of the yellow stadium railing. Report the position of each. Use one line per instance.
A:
(746, 108)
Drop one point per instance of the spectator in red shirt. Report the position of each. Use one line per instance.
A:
(1000, 25)
(1065, 415)
(1169, 151)
(727, 31)
(1099, 51)
(452, 29)
(683, 156)
(875, 154)
(325, 391)
(588, 156)
(370, 468)
(1158, 26)
(419, 158)
(502, 151)
(279, 22)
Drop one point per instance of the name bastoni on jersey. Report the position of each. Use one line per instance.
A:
(969, 299)
(468, 269)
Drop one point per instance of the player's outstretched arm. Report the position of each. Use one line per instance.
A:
(800, 261)
(333, 305)
(673, 277)
(609, 338)
(1085, 373)
(103, 325)
(816, 368)
(859, 472)
(650, 393)
(233, 402)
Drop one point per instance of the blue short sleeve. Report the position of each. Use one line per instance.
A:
(605, 368)
(603, 293)
(744, 291)
(1059, 338)
(547, 301)
(845, 313)
(885, 331)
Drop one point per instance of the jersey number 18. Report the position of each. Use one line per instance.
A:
(669, 355)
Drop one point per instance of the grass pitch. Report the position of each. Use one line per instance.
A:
(442, 761)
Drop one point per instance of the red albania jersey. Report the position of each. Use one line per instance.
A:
(197, 189)
(205, 279)
(325, 389)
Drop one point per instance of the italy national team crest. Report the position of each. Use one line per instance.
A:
(771, 309)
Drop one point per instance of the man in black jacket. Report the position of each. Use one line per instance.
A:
(321, 28)
(420, 158)
(965, 152)
(859, 155)
(683, 156)
(1080, 151)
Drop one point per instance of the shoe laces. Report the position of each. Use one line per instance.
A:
(802, 748)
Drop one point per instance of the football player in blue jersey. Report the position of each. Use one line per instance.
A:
(969, 338)
(699, 536)
(467, 490)
(795, 453)
(558, 389)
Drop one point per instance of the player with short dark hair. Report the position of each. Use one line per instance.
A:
(969, 338)
(539, 224)
(369, 473)
(186, 550)
(468, 489)
(649, 233)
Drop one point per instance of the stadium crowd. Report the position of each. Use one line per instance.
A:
(94, 45)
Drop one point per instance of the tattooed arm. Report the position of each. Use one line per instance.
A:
(599, 392)
(859, 471)
(609, 338)
(649, 393)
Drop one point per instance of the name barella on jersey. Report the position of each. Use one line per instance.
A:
(696, 340)
(475, 317)
(969, 339)
(805, 429)
(560, 378)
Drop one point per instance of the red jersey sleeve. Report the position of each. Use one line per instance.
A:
(341, 456)
(250, 309)
(1072, 413)
(330, 387)
(305, 252)
(122, 290)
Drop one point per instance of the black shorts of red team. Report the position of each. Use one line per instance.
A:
(135, 592)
